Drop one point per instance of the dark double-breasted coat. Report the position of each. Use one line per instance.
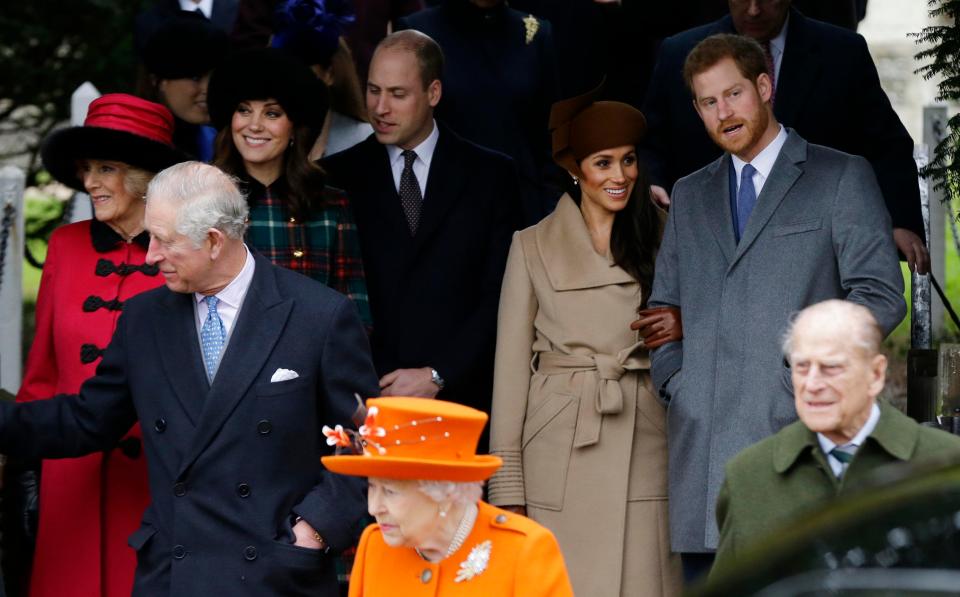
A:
(828, 90)
(230, 463)
(434, 295)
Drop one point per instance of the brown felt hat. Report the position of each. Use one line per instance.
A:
(580, 126)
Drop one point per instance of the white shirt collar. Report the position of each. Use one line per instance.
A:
(778, 43)
(205, 6)
(764, 161)
(826, 445)
(234, 292)
(424, 151)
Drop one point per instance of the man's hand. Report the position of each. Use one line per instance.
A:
(912, 248)
(659, 196)
(409, 382)
(307, 536)
(658, 326)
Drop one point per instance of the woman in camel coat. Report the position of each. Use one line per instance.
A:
(581, 434)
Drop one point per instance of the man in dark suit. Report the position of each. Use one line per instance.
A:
(844, 434)
(230, 369)
(826, 87)
(500, 81)
(435, 214)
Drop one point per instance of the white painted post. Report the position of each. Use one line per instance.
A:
(12, 181)
(79, 102)
(934, 130)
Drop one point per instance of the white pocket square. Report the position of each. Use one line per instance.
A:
(283, 375)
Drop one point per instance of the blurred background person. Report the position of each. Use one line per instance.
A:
(268, 108)
(433, 532)
(499, 81)
(595, 474)
(177, 58)
(312, 31)
(90, 505)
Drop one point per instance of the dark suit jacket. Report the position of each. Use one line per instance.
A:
(228, 463)
(434, 296)
(828, 90)
(498, 89)
(785, 476)
(223, 16)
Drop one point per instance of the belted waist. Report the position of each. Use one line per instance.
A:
(603, 385)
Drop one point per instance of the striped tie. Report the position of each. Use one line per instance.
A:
(843, 456)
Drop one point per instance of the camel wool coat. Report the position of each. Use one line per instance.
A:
(582, 437)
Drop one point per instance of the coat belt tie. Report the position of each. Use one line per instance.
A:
(602, 385)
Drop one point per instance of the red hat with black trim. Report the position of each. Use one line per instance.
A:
(119, 127)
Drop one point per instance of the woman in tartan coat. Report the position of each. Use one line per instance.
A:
(268, 109)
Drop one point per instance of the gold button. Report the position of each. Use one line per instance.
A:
(298, 253)
(293, 220)
(426, 575)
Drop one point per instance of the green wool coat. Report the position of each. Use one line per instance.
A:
(774, 481)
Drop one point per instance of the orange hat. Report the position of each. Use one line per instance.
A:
(416, 438)
(580, 126)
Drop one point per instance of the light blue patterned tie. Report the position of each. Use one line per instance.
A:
(746, 198)
(212, 336)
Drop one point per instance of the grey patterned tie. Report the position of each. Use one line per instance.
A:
(410, 196)
(212, 337)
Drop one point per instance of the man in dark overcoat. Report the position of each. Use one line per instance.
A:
(231, 369)
(435, 214)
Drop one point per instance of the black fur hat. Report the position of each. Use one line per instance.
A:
(267, 73)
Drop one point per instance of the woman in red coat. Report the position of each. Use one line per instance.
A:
(89, 505)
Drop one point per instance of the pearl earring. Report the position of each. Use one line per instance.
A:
(576, 180)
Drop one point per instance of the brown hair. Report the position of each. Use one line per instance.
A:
(428, 53)
(746, 53)
(305, 179)
(346, 93)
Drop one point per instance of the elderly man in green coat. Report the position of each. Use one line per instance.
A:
(843, 433)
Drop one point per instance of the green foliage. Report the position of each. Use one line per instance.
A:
(49, 47)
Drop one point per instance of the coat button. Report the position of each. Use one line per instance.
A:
(160, 425)
(250, 553)
(179, 552)
(179, 489)
(243, 490)
(426, 575)
(264, 427)
(501, 519)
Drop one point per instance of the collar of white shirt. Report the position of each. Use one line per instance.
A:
(421, 166)
(232, 295)
(205, 6)
(777, 45)
(763, 162)
(827, 446)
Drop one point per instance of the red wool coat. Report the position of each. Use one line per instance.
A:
(89, 505)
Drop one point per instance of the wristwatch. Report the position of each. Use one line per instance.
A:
(435, 378)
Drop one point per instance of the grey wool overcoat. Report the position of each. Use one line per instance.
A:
(581, 433)
(819, 231)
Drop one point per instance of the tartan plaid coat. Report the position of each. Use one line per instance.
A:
(324, 246)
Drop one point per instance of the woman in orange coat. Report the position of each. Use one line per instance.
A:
(433, 535)
(90, 505)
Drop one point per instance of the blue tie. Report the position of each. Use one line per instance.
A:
(212, 336)
(746, 198)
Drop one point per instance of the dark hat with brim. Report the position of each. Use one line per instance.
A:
(120, 128)
(185, 46)
(581, 126)
(267, 73)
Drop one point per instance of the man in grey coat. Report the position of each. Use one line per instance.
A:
(774, 225)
